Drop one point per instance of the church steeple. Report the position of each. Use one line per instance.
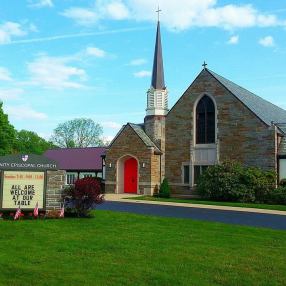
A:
(158, 81)
(157, 95)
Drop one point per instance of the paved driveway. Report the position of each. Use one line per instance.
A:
(231, 217)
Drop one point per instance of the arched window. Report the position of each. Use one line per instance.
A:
(205, 121)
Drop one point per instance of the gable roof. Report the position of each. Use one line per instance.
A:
(263, 109)
(77, 158)
(139, 131)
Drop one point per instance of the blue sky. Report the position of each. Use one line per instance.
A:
(63, 59)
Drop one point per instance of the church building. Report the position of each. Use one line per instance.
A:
(213, 121)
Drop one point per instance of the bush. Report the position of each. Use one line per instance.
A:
(230, 181)
(282, 183)
(81, 198)
(164, 191)
(261, 182)
(277, 196)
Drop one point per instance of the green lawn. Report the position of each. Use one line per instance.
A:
(127, 249)
(205, 202)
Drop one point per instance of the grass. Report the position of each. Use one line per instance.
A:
(127, 249)
(206, 202)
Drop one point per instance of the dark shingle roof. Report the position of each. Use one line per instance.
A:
(77, 158)
(158, 81)
(139, 130)
(263, 109)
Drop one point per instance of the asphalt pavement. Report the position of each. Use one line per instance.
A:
(225, 216)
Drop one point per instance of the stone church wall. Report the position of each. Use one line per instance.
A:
(128, 143)
(241, 135)
(155, 128)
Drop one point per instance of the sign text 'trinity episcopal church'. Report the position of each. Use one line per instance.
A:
(214, 120)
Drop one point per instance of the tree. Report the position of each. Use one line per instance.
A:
(31, 142)
(7, 134)
(164, 191)
(79, 132)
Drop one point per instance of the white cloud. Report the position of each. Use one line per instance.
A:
(5, 74)
(9, 30)
(183, 14)
(33, 28)
(96, 52)
(116, 10)
(176, 15)
(55, 73)
(41, 3)
(111, 125)
(24, 112)
(233, 40)
(267, 41)
(13, 93)
(142, 73)
(137, 62)
(87, 16)
(82, 16)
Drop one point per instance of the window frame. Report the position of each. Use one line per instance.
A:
(69, 174)
(195, 126)
(201, 172)
(186, 164)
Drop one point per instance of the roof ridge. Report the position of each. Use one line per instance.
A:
(265, 110)
(232, 82)
(73, 148)
(141, 127)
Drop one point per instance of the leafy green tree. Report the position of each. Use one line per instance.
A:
(7, 134)
(79, 132)
(31, 142)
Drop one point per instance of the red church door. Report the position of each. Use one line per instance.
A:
(130, 176)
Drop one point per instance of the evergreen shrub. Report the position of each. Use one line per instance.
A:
(230, 181)
(164, 191)
(277, 196)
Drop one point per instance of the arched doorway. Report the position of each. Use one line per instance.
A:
(130, 176)
(127, 175)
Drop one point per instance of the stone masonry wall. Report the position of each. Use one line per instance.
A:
(55, 184)
(155, 128)
(241, 135)
(128, 143)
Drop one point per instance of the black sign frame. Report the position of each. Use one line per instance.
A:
(26, 163)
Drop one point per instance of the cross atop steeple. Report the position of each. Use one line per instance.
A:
(158, 11)
(204, 65)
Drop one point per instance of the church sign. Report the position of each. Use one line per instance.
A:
(23, 189)
(23, 181)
